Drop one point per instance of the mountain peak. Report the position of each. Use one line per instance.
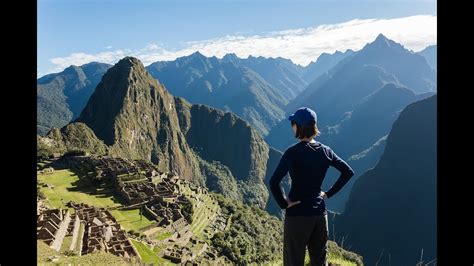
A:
(129, 61)
(72, 69)
(197, 54)
(382, 42)
(128, 67)
(381, 37)
(94, 63)
(195, 59)
(230, 57)
(75, 72)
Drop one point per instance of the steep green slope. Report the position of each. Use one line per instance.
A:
(134, 115)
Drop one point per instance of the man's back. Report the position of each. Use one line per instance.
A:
(307, 164)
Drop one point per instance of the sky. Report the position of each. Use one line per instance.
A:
(81, 31)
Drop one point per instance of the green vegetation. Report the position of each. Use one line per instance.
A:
(62, 96)
(130, 101)
(43, 151)
(338, 256)
(219, 179)
(68, 187)
(66, 244)
(131, 219)
(148, 255)
(204, 211)
(163, 236)
(342, 256)
(76, 137)
(257, 237)
(254, 237)
(78, 246)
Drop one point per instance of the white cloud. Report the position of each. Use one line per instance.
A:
(300, 45)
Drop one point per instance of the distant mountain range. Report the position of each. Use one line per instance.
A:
(255, 88)
(281, 73)
(358, 100)
(62, 96)
(225, 85)
(391, 213)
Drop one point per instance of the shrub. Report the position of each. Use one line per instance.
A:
(74, 152)
(255, 237)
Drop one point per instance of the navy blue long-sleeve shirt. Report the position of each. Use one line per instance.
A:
(307, 164)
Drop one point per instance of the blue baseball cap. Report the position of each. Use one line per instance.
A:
(303, 116)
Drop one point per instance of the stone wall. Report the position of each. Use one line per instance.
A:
(61, 232)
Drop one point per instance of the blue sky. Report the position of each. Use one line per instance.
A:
(76, 32)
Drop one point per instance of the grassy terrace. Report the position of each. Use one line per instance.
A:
(204, 212)
(163, 236)
(149, 255)
(68, 188)
(66, 244)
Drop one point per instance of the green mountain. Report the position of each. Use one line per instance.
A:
(131, 115)
(61, 96)
(391, 213)
(75, 137)
(215, 135)
(225, 85)
(135, 116)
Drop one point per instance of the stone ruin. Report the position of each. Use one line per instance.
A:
(141, 185)
(51, 227)
(178, 254)
(102, 232)
(135, 193)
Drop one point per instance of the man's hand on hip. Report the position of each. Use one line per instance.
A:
(291, 203)
(323, 194)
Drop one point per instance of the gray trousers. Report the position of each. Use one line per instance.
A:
(301, 232)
